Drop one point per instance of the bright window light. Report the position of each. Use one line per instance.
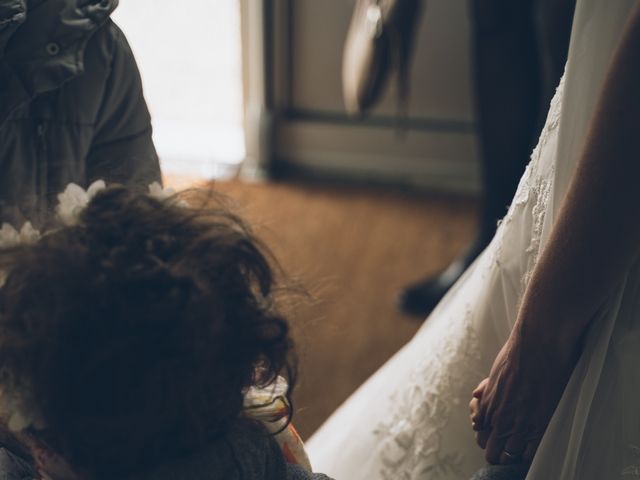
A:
(190, 61)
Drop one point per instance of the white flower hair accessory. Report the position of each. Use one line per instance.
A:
(9, 236)
(71, 203)
(74, 199)
(167, 193)
(19, 411)
(156, 191)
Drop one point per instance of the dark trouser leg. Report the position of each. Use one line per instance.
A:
(517, 69)
(553, 24)
(519, 50)
(507, 88)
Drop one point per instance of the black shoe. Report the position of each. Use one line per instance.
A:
(420, 298)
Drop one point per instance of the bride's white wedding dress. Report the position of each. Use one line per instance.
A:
(410, 419)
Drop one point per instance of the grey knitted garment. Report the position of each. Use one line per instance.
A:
(502, 472)
(244, 454)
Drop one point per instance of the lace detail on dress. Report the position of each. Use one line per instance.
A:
(633, 471)
(553, 118)
(410, 440)
(541, 187)
(541, 191)
(521, 198)
(535, 187)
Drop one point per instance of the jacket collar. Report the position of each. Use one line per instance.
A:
(84, 15)
(42, 45)
(12, 14)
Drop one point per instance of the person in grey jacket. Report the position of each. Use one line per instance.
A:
(71, 105)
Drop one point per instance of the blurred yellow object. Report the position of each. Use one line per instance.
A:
(271, 406)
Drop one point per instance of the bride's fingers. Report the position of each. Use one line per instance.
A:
(477, 393)
(474, 405)
(474, 414)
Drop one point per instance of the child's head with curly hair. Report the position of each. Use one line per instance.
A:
(129, 337)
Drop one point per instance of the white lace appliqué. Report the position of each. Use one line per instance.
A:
(535, 189)
(410, 439)
(539, 186)
(540, 192)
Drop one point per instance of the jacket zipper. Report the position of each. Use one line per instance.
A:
(41, 168)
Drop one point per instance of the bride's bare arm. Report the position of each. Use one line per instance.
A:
(594, 240)
(597, 233)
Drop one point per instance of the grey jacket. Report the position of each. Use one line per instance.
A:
(71, 104)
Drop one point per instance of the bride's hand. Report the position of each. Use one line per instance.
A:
(514, 405)
(474, 406)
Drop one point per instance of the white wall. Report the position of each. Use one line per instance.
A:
(189, 56)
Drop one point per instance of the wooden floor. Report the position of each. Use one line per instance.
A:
(353, 249)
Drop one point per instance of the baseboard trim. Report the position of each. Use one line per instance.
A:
(441, 161)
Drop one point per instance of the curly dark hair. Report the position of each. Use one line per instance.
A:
(137, 329)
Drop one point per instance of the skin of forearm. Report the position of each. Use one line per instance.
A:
(597, 233)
